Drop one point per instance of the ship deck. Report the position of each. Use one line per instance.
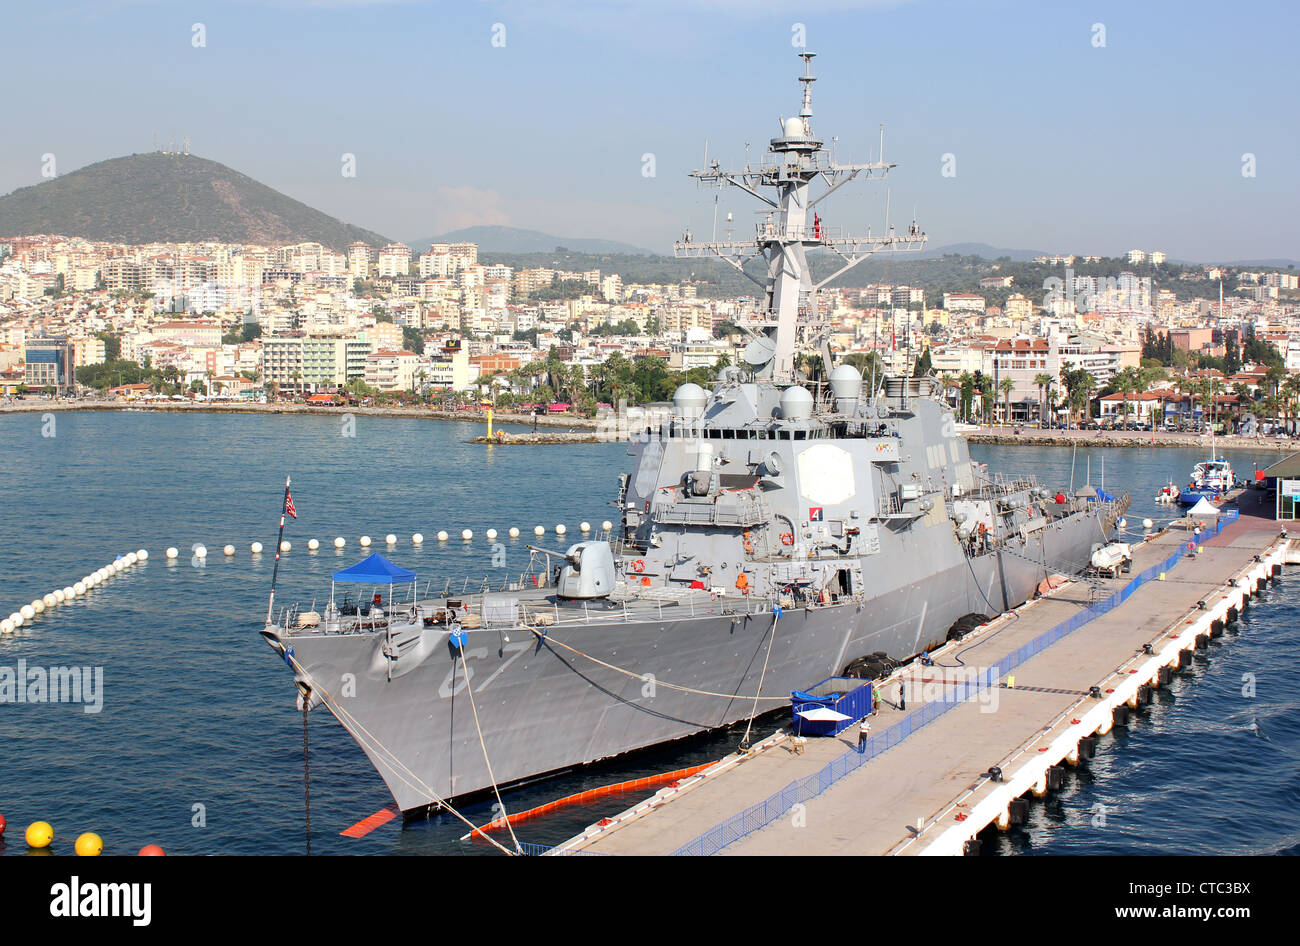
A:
(927, 786)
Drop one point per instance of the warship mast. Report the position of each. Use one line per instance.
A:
(795, 160)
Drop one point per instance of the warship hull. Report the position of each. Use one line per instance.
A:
(550, 699)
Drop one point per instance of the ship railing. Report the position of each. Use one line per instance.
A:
(745, 511)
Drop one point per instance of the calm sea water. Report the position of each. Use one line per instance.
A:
(198, 746)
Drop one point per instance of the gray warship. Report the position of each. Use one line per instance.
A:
(773, 532)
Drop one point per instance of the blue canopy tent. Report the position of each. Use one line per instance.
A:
(374, 570)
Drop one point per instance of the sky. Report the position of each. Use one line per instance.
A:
(1069, 127)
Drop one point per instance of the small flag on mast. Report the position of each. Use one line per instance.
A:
(288, 504)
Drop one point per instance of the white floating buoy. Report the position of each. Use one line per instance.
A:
(59, 596)
(27, 611)
(90, 581)
(172, 551)
(442, 535)
(69, 593)
(390, 539)
(78, 588)
(117, 566)
(200, 551)
(313, 544)
(286, 546)
(560, 529)
(38, 606)
(365, 541)
(49, 600)
(540, 530)
(466, 534)
(1146, 523)
(131, 558)
(17, 620)
(491, 533)
(1123, 523)
(256, 548)
(584, 526)
(607, 525)
(417, 538)
(6, 626)
(142, 554)
(229, 550)
(514, 532)
(340, 542)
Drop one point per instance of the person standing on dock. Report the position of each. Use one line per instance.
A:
(875, 702)
(863, 732)
(902, 703)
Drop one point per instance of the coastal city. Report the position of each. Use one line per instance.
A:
(1155, 346)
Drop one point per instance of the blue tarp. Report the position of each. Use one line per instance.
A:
(375, 570)
(1102, 497)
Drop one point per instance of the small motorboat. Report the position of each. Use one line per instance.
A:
(1168, 494)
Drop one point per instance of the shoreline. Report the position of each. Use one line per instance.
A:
(586, 430)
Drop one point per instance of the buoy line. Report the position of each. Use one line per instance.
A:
(51, 600)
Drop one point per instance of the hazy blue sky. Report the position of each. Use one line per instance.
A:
(1059, 145)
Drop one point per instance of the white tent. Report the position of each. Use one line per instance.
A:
(823, 714)
(1203, 507)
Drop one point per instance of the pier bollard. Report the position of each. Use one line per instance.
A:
(1216, 629)
(1232, 615)
(1143, 694)
(1087, 747)
(1164, 676)
(1202, 641)
(1120, 715)
(1018, 810)
(1055, 778)
(1184, 659)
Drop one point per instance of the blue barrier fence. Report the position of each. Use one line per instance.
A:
(801, 790)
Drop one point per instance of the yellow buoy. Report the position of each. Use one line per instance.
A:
(39, 834)
(89, 845)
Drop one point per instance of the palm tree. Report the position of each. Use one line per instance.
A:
(1042, 381)
(1006, 386)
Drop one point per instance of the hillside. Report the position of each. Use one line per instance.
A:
(171, 198)
(514, 240)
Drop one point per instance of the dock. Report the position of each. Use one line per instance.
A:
(987, 721)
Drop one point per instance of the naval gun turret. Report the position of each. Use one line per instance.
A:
(588, 570)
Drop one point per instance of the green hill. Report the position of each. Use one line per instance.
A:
(169, 198)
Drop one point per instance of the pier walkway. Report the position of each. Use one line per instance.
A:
(1016, 694)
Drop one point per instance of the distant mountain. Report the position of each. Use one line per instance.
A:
(170, 198)
(515, 240)
(981, 249)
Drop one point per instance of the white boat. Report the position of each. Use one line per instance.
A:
(1168, 493)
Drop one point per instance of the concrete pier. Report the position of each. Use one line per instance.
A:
(924, 786)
